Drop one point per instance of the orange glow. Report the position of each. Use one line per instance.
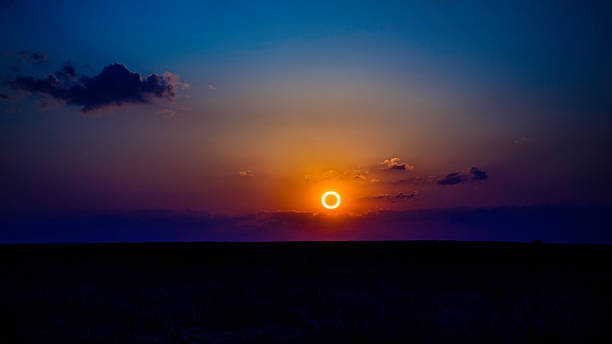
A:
(330, 193)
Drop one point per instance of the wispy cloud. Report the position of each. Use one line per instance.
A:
(167, 113)
(401, 196)
(355, 175)
(246, 173)
(417, 180)
(522, 140)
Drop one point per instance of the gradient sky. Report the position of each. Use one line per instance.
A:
(280, 101)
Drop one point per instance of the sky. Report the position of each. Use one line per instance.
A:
(233, 108)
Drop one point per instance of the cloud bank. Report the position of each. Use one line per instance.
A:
(577, 224)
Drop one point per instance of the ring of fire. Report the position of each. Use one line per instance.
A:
(330, 193)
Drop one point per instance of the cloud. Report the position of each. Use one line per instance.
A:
(167, 113)
(175, 80)
(212, 87)
(474, 174)
(34, 57)
(68, 72)
(453, 178)
(114, 86)
(395, 164)
(358, 175)
(354, 175)
(522, 140)
(4, 96)
(401, 196)
(246, 173)
(477, 174)
(416, 180)
(406, 196)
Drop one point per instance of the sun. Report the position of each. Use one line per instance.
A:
(324, 199)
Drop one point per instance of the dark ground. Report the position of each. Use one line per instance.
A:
(343, 292)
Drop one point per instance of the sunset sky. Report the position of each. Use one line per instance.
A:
(260, 107)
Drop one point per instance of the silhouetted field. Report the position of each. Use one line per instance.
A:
(342, 292)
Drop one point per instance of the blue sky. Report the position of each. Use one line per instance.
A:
(293, 90)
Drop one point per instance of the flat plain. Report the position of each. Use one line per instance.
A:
(296, 292)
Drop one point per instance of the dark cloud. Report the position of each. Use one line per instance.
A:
(477, 174)
(4, 96)
(379, 196)
(393, 197)
(473, 174)
(453, 178)
(68, 72)
(114, 86)
(406, 196)
(395, 164)
(34, 57)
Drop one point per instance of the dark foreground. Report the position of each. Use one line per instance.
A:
(342, 292)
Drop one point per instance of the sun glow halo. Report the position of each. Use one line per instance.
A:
(330, 193)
